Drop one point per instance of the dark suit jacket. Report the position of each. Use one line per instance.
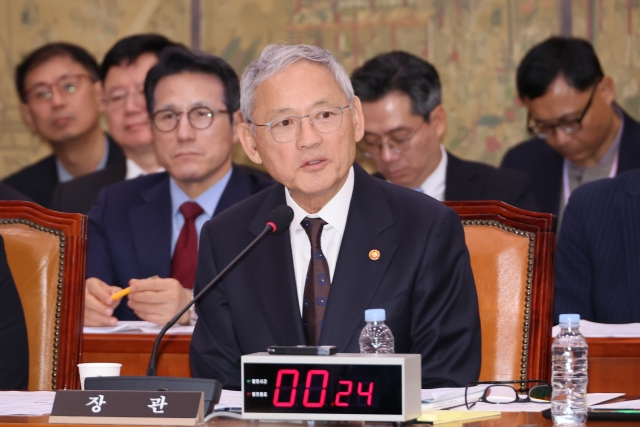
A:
(39, 180)
(14, 351)
(467, 180)
(422, 279)
(130, 227)
(80, 194)
(9, 193)
(544, 166)
(598, 252)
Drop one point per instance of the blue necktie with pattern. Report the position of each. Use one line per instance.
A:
(317, 284)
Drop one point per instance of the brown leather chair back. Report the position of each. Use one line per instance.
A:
(512, 253)
(46, 251)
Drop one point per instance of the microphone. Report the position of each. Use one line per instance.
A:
(277, 222)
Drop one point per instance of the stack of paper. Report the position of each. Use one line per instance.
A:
(137, 326)
(435, 416)
(605, 330)
(26, 402)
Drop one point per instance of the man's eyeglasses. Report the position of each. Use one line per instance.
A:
(199, 118)
(66, 85)
(286, 129)
(545, 130)
(116, 99)
(398, 141)
(503, 392)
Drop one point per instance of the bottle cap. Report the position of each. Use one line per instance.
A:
(570, 318)
(375, 315)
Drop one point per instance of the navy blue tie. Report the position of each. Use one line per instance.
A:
(317, 284)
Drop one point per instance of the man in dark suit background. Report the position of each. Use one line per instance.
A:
(404, 126)
(60, 96)
(579, 133)
(376, 245)
(122, 73)
(597, 268)
(14, 353)
(143, 233)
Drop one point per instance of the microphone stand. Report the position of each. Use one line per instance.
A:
(151, 369)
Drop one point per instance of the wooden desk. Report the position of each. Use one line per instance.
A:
(506, 420)
(133, 351)
(614, 363)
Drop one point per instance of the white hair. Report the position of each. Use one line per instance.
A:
(275, 58)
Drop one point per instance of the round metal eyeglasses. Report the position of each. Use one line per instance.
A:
(199, 118)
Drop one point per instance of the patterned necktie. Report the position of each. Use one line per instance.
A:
(185, 254)
(316, 287)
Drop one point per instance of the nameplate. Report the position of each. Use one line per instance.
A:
(183, 408)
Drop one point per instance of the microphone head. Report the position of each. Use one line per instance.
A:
(280, 218)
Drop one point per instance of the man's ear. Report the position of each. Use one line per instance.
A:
(438, 119)
(358, 118)
(27, 118)
(248, 141)
(608, 90)
(237, 120)
(99, 95)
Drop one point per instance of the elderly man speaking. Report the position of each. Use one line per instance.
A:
(375, 245)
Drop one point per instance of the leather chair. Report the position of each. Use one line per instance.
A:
(46, 251)
(512, 256)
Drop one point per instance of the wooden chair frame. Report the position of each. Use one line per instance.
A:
(540, 229)
(72, 232)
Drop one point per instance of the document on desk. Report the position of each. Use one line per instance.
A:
(138, 326)
(230, 401)
(605, 330)
(26, 402)
(449, 397)
(627, 404)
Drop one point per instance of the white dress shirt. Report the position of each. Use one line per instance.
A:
(436, 183)
(334, 214)
(134, 171)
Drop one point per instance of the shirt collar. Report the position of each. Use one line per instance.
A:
(208, 200)
(435, 183)
(334, 213)
(65, 176)
(134, 171)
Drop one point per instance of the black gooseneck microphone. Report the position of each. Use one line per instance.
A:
(277, 222)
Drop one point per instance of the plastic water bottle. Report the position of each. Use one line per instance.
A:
(376, 337)
(569, 373)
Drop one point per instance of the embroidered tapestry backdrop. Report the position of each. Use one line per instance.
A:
(475, 45)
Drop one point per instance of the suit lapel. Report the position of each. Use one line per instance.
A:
(630, 212)
(237, 189)
(356, 276)
(629, 157)
(460, 184)
(151, 230)
(273, 278)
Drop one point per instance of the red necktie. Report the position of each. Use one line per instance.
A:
(185, 254)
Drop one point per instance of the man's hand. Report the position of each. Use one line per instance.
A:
(98, 306)
(158, 300)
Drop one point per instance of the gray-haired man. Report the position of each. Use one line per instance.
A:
(375, 245)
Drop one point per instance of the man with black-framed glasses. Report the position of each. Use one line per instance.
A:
(579, 132)
(61, 102)
(143, 233)
(405, 124)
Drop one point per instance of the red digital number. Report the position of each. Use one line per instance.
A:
(368, 393)
(323, 393)
(294, 384)
(346, 393)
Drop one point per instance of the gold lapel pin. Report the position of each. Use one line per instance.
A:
(374, 254)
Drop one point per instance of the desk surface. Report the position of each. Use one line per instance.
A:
(507, 419)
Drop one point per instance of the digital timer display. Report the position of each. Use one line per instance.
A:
(326, 388)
